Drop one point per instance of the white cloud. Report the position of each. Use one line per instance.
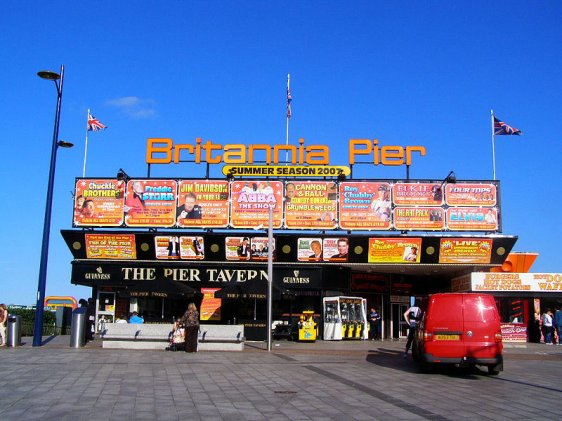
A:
(134, 107)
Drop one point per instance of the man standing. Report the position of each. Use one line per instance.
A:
(558, 323)
(374, 324)
(412, 317)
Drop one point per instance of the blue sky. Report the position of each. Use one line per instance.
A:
(407, 73)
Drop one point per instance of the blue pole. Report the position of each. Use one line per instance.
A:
(42, 282)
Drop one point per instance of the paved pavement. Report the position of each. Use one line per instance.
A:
(295, 381)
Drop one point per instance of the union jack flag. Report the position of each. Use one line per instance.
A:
(501, 128)
(289, 100)
(94, 124)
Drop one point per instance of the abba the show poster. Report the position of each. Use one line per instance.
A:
(110, 246)
(365, 206)
(150, 203)
(202, 203)
(462, 250)
(394, 250)
(98, 203)
(250, 203)
(310, 205)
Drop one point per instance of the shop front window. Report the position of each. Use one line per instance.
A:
(512, 310)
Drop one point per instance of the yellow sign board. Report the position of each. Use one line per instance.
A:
(285, 170)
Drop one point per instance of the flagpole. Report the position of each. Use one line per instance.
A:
(493, 145)
(86, 145)
(288, 118)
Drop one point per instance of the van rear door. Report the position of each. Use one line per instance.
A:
(445, 322)
(481, 323)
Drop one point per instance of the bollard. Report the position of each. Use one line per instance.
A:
(14, 330)
(78, 328)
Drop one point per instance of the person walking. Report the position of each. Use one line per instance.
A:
(3, 318)
(190, 321)
(547, 326)
(412, 317)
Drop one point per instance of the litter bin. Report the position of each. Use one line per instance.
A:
(14, 330)
(78, 328)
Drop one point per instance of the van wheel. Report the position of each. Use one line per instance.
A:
(492, 370)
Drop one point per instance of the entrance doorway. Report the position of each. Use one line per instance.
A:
(398, 326)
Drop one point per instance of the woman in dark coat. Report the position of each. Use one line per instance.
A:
(190, 320)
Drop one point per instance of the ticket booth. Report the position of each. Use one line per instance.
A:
(345, 318)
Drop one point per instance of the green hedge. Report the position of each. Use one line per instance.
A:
(28, 321)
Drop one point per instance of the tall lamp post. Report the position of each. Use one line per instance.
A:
(58, 79)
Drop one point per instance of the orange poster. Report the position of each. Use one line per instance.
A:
(150, 203)
(471, 194)
(394, 250)
(365, 206)
(250, 202)
(462, 250)
(110, 246)
(202, 204)
(422, 194)
(472, 219)
(99, 203)
(419, 218)
(210, 306)
(310, 205)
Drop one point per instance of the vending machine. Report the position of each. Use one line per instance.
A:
(345, 318)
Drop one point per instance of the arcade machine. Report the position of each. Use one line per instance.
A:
(307, 327)
(345, 318)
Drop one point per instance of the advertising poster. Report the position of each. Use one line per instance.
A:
(150, 203)
(532, 282)
(462, 250)
(335, 249)
(419, 218)
(202, 204)
(110, 246)
(365, 206)
(247, 248)
(167, 247)
(259, 248)
(465, 194)
(310, 250)
(394, 250)
(422, 194)
(98, 203)
(210, 306)
(310, 205)
(192, 248)
(472, 219)
(250, 202)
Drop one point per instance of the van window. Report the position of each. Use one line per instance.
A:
(479, 309)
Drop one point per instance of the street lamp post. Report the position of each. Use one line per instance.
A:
(58, 79)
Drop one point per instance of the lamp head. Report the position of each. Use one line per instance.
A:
(64, 144)
(122, 175)
(47, 74)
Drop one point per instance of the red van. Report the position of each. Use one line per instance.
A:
(462, 329)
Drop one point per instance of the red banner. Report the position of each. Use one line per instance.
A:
(419, 218)
(423, 194)
(471, 194)
(150, 203)
(250, 202)
(310, 205)
(472, 219)
(99, 203)
(202, 203)
(365, 206)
